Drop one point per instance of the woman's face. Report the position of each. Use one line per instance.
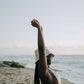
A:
(49, 59)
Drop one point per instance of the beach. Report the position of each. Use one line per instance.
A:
(10, 75)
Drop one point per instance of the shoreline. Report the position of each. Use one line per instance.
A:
(65, 81)
(20, 75)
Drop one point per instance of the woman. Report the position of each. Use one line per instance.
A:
(42, 65)
(49, 56)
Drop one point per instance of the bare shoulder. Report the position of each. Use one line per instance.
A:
(51, 77)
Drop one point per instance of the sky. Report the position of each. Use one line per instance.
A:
(62, 22)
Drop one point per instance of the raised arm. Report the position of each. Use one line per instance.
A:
(41, 45)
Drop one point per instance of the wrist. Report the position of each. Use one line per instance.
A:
(39, 26)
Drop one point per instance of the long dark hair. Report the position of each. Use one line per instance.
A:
(36, 76)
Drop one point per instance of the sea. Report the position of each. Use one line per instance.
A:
(70, 67)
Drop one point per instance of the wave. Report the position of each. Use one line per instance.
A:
(68, 67)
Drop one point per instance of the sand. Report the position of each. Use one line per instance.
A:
(10, 75)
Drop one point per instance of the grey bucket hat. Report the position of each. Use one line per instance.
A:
(37, 54)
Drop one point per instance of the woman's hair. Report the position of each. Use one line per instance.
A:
(36, 76)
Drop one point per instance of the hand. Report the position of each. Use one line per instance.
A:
(35, 23)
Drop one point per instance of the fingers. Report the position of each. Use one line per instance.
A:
(35, 23)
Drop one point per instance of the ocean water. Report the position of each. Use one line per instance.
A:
(70, 67)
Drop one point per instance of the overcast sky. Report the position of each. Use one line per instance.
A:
(62, 21)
